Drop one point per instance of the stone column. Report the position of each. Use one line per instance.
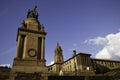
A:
(42, 48)
(25, 48)
(18, 46)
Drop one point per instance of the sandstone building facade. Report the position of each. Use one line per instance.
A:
(80, 64)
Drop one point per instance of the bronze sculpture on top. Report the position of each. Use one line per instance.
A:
(32, 13)
(29, 62)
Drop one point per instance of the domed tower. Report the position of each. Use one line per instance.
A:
(58, 55)
(29, 62)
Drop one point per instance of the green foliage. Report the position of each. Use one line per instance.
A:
(101, 69)
(116, 69)
(103, 78)
(87, 78)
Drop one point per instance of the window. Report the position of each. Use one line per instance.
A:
(39, 47)
(51, 68)
(21, 46)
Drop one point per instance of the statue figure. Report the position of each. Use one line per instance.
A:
(32, 13)
(23, 24)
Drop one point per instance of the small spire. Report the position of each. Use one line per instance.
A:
(57, 43)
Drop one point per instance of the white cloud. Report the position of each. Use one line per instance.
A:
(52, 62)
(4, 65)
(103, 54)
(97, 41)
(111, 48)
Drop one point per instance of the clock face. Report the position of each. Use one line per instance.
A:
(32, 52)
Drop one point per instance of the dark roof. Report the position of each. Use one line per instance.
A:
(97, 59)
(81, 53)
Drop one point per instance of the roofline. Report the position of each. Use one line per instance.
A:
(98, 59)
(54, 64)
(81, 53)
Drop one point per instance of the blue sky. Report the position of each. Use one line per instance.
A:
(75, 24)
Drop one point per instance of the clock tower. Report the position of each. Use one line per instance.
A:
(30, 62)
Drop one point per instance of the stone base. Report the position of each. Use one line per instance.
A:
(28, 70)
(28, 76)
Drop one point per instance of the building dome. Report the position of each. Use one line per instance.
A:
(58, 48)
(58, 56)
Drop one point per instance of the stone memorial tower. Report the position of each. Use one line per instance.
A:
(30, 63)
